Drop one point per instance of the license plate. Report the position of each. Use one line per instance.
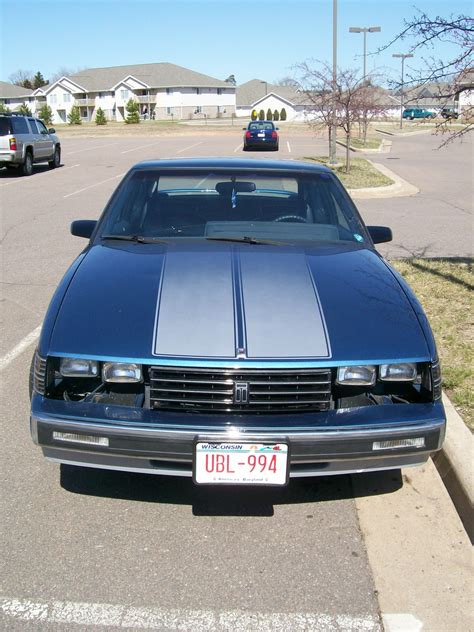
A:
(240, 463)
(261, 134)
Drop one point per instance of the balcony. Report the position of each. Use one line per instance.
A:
(85, 102)
(149, 98)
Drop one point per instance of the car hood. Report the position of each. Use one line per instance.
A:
(231, 302)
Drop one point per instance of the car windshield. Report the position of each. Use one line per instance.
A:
(252, 207)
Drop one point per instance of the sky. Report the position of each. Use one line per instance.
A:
(262, 39)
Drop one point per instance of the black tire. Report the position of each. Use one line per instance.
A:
(276, 147)
(56, 161)
(27, 166)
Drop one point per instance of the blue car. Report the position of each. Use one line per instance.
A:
(231, 321)
(261, 135)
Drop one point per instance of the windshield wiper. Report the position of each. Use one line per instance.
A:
(249, 240)
(140, 239)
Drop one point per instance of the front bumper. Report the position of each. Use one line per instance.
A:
(141, 440)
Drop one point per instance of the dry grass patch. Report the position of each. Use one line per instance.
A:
(362, 173)
(444, 288)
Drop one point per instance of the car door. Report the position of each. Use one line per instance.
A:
(46, 142)
(37, 141)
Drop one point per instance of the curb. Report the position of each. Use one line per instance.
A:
(454, 463)
(384, 148)
(399, 188)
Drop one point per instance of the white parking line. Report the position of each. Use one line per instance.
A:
(238, 148)
(190, 147)
(288, 144)
(120, 175)
(78, 151)
(172, 620)
(20, 347)
(33, 178)
(127, 151)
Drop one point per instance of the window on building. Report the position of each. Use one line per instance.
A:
(124, 94)
(53, 98)
(169, 90)
(198, 90)
(66, 97)
(169, 111)
(198, 109)
(219, 90)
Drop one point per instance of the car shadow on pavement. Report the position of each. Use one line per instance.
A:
(13, 174)
(224, 500)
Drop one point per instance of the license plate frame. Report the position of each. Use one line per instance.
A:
(248, 447)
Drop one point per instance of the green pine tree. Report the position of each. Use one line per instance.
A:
(261, 115)
(283, 114)
(100, 118)
(133, 115)
(276, 115)
(269, 115)
(4, 109)
(39, 80)
(46, 114)
(24, 109)
(74, 116)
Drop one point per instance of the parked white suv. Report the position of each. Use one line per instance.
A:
(24, 141)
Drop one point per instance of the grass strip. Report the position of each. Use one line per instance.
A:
(444, 288)
(362, 173)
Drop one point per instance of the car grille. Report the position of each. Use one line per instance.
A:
(250, 391)
(39, 374)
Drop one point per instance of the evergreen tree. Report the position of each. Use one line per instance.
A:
(283, 114)
(276, 115)
(39, 80)
(261, 115)
(254, 115)
(269, 115)
(4, 109)
(24, 109)
(133, 115)
(74, 117)
(46, 114)
(100, 117)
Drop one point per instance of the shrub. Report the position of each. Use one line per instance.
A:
(4, 109)
(24, 109)
(276, 115)
(261, 115)
(283, 114)
(269, 115)
(100, 117)
(46, 114)
(133, 115)
(74, 116)
(254, 115)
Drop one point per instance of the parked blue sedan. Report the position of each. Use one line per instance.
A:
(261, 135)
(231, 320)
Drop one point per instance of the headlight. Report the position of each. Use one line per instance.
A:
(121, 372)
(402, 372)
(356, 375)
(77, 367)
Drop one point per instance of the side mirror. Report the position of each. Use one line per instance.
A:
(52, 130)
(380, 234)
(83, 228)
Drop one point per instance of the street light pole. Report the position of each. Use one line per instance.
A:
(365, 30)
(332, 149)
(403, 56)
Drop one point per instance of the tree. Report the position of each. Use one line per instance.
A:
(22, 78)
(100, 117)
(4, 109)
(46, 114)
(269, 115)
(133, 115)
(254, 115)
(24, 109)
(450, 74)
(74, 116)
(288, 82)
(276, 115)
(39, 80)
(283, 114)
(261, 115)
(231, 79)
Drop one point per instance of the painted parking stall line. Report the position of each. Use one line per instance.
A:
(289, 146)
(78, 151)
(19, 348)
(180, 151)
(127, 151)
(97, 184)
(174, 620)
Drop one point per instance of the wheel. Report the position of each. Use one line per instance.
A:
(276, 147)
(56, 161)
(27, 166)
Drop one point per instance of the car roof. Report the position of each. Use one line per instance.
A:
(232, 164)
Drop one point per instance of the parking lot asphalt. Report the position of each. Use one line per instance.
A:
(128, 551)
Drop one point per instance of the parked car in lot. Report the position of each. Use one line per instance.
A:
(231, 320)
(449, 113)
(262, 135)
(418, 113)
(25, 141)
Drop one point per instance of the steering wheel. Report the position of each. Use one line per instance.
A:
(291, 218)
